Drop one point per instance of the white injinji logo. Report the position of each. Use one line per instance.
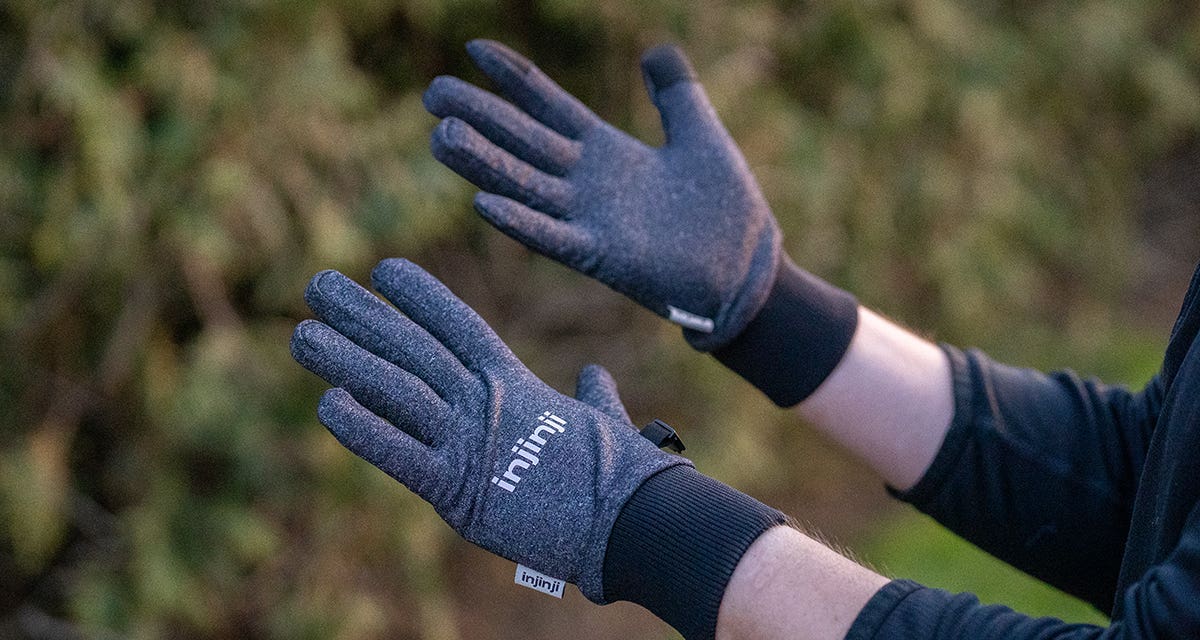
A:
(527, 449)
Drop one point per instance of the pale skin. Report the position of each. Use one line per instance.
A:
(890, 402)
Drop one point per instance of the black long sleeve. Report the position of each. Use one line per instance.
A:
(1163, 603)
(1041, 470)
(1092, 488)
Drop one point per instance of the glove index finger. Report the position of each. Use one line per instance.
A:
(531, 89)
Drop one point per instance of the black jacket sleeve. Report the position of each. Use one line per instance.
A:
(1164, 603)
(1041, 471)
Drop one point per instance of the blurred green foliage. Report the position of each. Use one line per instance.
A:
(918, 548)
(171, 174)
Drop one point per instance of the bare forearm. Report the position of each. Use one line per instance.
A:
(788, 585)
(889, 400)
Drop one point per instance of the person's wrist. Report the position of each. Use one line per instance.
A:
(676, 543)
(796, 339)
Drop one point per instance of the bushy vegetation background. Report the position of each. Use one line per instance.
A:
(1020, 176)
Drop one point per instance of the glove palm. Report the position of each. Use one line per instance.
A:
(683, 229)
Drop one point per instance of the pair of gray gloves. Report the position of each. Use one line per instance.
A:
(426, 391)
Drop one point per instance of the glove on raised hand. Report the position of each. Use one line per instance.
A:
(683, 229)
(435, 400)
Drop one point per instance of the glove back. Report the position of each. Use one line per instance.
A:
(434, 398)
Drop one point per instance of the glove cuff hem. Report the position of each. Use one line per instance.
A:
(796, 339)
(676, 543)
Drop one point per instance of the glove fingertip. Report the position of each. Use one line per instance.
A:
(333, 404)
(595, 385)
(437, 95)
(447, 138)
(592, 375)
(490, 206)
(666, 65)
(485, 199)
(484, 52)
(457, 145)
(335, 411)
(305, 341)
(391, 269)
(317, 289)
(509, 217)
(476, 46)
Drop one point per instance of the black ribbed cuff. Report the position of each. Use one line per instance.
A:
(676, 543)
(797, 338)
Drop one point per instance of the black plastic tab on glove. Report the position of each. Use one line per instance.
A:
(663, 436)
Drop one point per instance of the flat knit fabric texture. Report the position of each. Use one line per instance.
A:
(434, 398)
(683, 229)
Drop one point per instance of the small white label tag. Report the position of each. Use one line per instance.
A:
(690, 320)
(537, 581)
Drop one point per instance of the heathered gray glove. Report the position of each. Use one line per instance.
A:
(683, 229)
(434, 399)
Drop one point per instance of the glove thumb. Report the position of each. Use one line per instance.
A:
(687, 115)
(595, 386)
